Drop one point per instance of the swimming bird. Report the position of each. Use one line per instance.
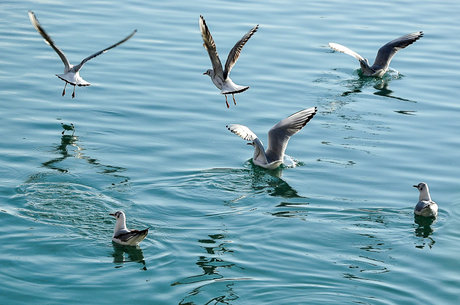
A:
(278, 138)
(71, 73)
(384, 55)
(68, 127)
(425, 206)
(221, 77)
(122, 235)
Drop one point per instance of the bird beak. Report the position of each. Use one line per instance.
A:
(204, 73)
(249, 143)
(112, 214)
(415, 186)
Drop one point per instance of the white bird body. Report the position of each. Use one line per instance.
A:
(71, 73)
(278, 138)
(425, 206)
(219, 76)
(122, 235)
(384, 55)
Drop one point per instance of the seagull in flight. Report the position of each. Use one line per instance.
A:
(425, 206)
(278, 138)
(122, 235)
(221, 77)
(384, 55)
(71, 73)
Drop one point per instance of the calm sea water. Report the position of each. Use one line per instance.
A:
(150, 139)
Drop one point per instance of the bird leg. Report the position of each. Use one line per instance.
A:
(73, 93)
(63, 91)
(233, 95)
(228, 106)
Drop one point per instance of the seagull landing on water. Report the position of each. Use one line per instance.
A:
(384, 55)
(122, 235)
(278, 138)
(425, 206)
(71, 73)
(221, 77)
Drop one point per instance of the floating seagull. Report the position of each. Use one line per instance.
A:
(384, 55)
(278, 138)
(220, 77)
(71, 73)
(425, 206)
(68, 127)
(122, 235)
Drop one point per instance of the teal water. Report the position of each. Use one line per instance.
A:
(151, 139)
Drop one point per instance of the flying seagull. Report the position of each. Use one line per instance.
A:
(221, 77)
(384, 55)
(425, 206)
(71, 73)
(278, 138)
(122, 235)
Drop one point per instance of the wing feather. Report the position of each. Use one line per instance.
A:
(279, 135)
(210, 46)
(244, 132)
(343, 49)
(48, 40)
(80, 65)
(386, 52)
(235, 52)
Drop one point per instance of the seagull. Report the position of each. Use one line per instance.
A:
(384, 55)
(122, 235)
(68, 127)
(71, 73)
(278, 138)
(425, 206)
(221, 77)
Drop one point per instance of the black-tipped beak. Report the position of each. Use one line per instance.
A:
(112, 214)
(249, 143)
(415, 186)
(205, 73)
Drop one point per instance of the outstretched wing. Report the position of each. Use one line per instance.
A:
(244, 132)
(48, 40)
(279, 135)
(236, 50)
(210, 46)
(80, 65)
(386, 53)
(343, 49)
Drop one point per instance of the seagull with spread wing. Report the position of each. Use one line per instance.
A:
(384, 55)
(278, 138)
(221, 77)
(71, 73)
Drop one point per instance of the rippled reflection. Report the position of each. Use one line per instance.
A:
(125, 254)
(424, 230)
(212, 262)
(70, 147)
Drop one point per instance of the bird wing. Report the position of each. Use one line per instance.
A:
(279, 135)
(343, 49)
(80, 65)
(48, 40)
(210, 46)
(127, 236)
(386, 53)
(234, 53)
(244, 132)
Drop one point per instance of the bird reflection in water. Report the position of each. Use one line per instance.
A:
(424, 230)
(125, 254)
(70, 147)
(215, 247)
(270, 182)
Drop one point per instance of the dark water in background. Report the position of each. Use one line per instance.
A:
(151, 139)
